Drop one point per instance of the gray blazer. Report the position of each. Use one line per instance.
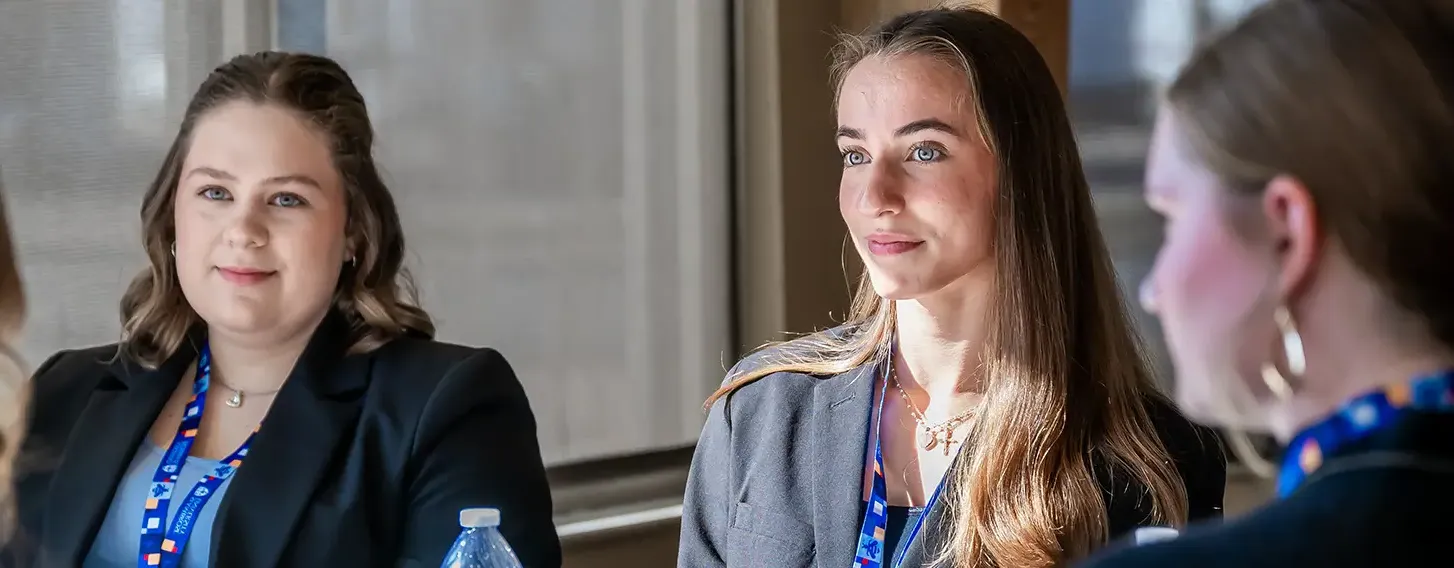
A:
(777, 478)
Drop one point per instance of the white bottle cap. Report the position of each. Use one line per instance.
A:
(1148, 535)
(479, 518)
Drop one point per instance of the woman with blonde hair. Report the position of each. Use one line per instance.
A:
(987, 403)
(12, 373)
(1302, 162)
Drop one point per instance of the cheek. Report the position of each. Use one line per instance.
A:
(1208, 285)
(308, 243)
(1205, 279)
(961, 210)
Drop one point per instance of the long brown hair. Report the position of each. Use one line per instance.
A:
(374, 291)
(1066, 382)
(1354, 99)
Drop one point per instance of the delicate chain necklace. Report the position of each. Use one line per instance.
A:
(236, 400)
(932, 435)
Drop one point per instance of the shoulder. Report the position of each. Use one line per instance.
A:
(78, 362)
(1197, 454)
(74, 370)
(779, 377)
(1195, 448)
(1269, 536)
(436, 380)
(418, 364)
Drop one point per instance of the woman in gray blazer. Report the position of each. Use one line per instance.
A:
(986, 404)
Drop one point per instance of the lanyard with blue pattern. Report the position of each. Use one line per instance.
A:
(875, 515)
(161, 546)
(1357, 419)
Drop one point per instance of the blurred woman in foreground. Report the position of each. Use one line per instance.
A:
(1302, 162)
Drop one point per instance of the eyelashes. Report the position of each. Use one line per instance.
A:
(922, 152)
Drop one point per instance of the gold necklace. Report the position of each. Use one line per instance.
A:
(932, 435)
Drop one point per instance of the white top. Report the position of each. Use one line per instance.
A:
(479, 518)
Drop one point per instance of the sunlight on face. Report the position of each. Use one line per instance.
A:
(918, 183)
(260, 219)
(1205, 287)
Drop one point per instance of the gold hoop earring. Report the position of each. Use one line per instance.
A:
(1292, 349)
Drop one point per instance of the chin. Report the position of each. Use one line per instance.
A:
(240, 317)
(1216, 398)
(901, 286)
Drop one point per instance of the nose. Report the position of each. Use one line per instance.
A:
(248, 228)
(882, 192)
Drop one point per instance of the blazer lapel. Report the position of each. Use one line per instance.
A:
(841, 411)
(316, 408)
(119, 413)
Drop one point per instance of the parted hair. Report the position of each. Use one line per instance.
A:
(375, 292)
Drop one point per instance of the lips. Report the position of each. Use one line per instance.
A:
(244, 276)
(890, 245)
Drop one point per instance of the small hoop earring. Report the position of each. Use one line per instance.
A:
(1292, 349)
(174, 250)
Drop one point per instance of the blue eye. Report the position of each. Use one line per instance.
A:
(287, 200)
(214, 193)
(854, 158)
(926, 154)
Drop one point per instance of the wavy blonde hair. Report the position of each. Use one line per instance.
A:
(375, 291)
(1066, 381)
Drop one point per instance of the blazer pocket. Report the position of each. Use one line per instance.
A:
(761, 537)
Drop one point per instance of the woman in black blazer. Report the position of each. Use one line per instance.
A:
(276, 399)
(1302, 162)
(986, 404)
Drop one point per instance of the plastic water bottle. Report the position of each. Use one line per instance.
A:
(480, 544)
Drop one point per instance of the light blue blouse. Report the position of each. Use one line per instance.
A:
(116, 544)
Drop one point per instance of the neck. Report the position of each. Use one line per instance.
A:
(253, 364)
(1344, 378)
(941, 339)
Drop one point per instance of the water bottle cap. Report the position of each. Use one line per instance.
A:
(1148, 535)
(479, 518)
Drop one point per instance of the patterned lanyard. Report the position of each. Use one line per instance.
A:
(875, 515)
(161, 547)
(1359, 418)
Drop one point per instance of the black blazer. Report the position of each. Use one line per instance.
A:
(1384, 501)
(777, 479)
(363, 460)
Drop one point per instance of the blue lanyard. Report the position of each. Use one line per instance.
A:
(161, 547)
(875, 515)
(1359, 418)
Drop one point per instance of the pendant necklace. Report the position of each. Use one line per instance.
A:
(933, 435)
(238, 396)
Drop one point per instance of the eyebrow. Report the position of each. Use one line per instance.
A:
(905, 130)
(275, 180)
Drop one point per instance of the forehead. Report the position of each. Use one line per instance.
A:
(892, 91)
(1170, 169)
(240, 137)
